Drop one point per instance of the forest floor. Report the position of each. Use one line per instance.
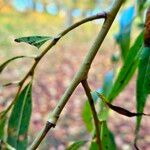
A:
(56, 71)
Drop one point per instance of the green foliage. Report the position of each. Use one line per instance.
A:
(140, 6)
(108, 141)
(128, 69)
(19, 119)
(124, 42)
(2, 126)
(103, 113)
(93, 145)
(143, 82)
(107, 138)
(76, 145)
(87, 116)
(36, 41)
(6, 146)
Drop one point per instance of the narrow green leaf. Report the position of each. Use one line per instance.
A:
(124, 43)
(76, 145)
(140, 7)
(87, 116)
(36, 41)
(93, 146)
(143, 82)
(128, 69)
(3, 65)
(108, 141)
(2, 126)
(19, 119)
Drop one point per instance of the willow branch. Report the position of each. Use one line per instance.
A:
(94, 113)
(43, 133)
(53, 42)
(84, 68)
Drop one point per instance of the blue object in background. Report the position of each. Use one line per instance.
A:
(94, 94)
(108, 82)
(107, 85)
(76, 13)
(22, 5)
(126, 18)
(125, 24)
(39, 7)
(52, 9)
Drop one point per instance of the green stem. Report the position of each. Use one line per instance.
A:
(94, 113)
(84, 68)
(41, 136)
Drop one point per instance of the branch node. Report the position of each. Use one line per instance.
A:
(53, 119)
(49, 125)
(37, 58)
(56, 38)
(102, 15)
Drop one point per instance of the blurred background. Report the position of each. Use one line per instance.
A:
(19, 18)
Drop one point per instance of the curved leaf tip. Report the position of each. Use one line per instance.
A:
(76, 145)
(3, 65)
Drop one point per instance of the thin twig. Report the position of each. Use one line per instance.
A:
(16, 83)
(77, 24)
(43, 133)
(94, 113)
(91, 18)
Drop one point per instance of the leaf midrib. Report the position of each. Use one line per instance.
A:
(146, 72)
(22, 110)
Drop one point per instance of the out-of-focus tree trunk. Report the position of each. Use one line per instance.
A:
(69, 17)
(45, 3)
(44, 7)
(83, 13)
(34, 5)
(58, 5)
(70, 6)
